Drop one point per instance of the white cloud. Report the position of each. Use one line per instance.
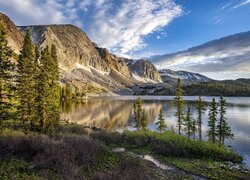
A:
(242, 4)
(225, 6)
(230, 60)
(123, 27)
(33, 11)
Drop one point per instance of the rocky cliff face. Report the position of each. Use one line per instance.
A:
(74, 47)
(114, 62)
(145, 69)
(82, 62)
(15, 37)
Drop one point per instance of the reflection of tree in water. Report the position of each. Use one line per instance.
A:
(107, 114)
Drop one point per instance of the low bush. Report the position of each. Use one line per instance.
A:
(69, 156)
(72, 129)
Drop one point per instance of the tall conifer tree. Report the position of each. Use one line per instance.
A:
(201, 111)
(6, 75)
(144, 120)
(223, 130)
(188, 122)
(26, 83)
(138, 113)
(48, 94)
(212, 121)
(161, 123)
(179, 103)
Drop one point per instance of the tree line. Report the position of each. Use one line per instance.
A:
(31, 86)
(218, 128)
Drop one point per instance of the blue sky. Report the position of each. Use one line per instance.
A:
(138, 28)
(201, 21)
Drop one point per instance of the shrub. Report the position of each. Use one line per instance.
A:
(68, 156)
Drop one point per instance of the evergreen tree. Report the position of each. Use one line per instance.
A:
(144, 120)
(47, 94)
(6, 75)
(179, 103)
(212, 121)
(138, 113)
(201, 111)
(189, 122)
(26, 87)
(161, 123)
(54, 114)
(223, 130)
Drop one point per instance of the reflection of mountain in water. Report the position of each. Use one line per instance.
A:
(108, 114)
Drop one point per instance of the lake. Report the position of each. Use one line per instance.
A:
(116, 114)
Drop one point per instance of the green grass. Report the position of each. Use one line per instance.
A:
(207, 168)
(169, 144)
(16, 169)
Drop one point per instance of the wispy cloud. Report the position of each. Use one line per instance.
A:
(225, 6)
(231, 57)
(122, 28)
(242, 4)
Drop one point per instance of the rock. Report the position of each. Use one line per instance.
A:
(31, 167)
(118, 149)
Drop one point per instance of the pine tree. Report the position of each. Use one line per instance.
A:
(54, 114)
(138, 113)
(212, 121)
(47, 94)
(26, 83)
(144, 120)
(223, 130)
(201, 111)
(179, 103)
(161, 123)
(189, 122)
(6, 75)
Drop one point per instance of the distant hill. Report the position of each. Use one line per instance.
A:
(239, 87)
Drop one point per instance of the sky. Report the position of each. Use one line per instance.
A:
(139, 28)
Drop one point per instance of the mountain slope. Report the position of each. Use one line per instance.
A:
(15, 38)
(231, 53)
(82, 63)
(168, 75)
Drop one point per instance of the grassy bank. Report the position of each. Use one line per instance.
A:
(76, 152)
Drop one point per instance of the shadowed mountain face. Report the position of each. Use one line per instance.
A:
(228, 54)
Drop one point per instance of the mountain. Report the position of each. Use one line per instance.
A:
(15, 37)
(231, 53)
(145, 70)
(168, 76)
(82, 63)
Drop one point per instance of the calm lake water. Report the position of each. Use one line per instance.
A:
(116, 114)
